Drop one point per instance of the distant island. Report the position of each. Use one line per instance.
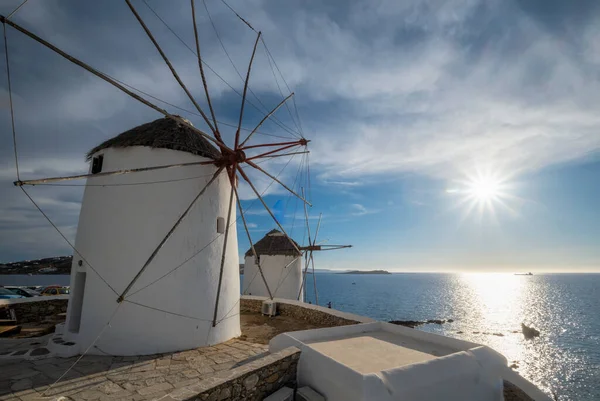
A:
(366, 272)
(54, 265)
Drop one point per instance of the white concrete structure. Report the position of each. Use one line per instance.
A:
(281, 264)
(383, 362)
(121, 224)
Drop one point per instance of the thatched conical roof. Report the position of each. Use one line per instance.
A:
(163, 133)
(275, 243)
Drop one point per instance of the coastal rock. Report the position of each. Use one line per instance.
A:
(407, 323)
(529, 332)
(414, 323)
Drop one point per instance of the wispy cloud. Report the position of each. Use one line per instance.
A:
(360, 210)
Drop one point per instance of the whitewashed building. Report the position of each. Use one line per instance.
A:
(122, 220)
(281, 264)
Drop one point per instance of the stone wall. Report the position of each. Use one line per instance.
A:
(35, 309)
(319, 316)
(254, 380)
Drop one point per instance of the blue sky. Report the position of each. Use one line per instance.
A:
(404, 102)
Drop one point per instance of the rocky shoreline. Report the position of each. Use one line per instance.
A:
(528, 332)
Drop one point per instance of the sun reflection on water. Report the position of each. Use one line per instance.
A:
(494, 306)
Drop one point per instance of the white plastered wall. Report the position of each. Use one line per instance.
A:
(120, 226)
(284, 282)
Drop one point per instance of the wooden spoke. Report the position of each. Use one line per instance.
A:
(166, 237)
(107, 173)
(306, 218)
(267, 208)
(231, 195)
(237, 133)
(334, 247)
(212, 111)
(105, 78)
(256, 258)
(312, 261)
(276, 180)
(288, 154)
(310, 243)
(166, 60)
(301, 142)
(317, 231)
(265, 118)
(271, 152)
(303, 275)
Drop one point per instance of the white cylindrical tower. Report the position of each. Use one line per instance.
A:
(122, 220)
(281, 264)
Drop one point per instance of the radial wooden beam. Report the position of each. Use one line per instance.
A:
(107, 173)
(212, 111)
(310, 243)
(332, 249)
(267, 208)
(304, 275)
(106, 78)
(288, 154)
(271, 152)
(256, 258)
(166, 60)
(265, 118)
(312, 262)
(300, 142)
(252, 164)
(168, 235)
(237, 133)
(224, 253)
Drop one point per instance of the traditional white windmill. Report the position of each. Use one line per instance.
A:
(279, 259)
(134, 233)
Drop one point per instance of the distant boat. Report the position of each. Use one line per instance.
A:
(47, 270)
(524, 274)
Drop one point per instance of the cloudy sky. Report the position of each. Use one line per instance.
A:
(455, 135)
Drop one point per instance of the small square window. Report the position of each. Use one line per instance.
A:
(97, 164)
(220, 225)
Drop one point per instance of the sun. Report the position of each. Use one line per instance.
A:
(484, 188)
(482, 192)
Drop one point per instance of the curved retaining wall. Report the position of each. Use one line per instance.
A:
(35, 309)
(314, 314)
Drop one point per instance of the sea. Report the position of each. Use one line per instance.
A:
(486, 308)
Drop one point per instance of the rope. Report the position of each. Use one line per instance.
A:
(68, 242)
(298, 126)
(282, 78)
(17, 9)
(12, 112)
(279, 87)
(190, 111)
(168, 312)
(237, 71)
(212, 70)
(86, 351)
(239, 16)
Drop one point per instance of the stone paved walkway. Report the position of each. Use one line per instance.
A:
(107, 378)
